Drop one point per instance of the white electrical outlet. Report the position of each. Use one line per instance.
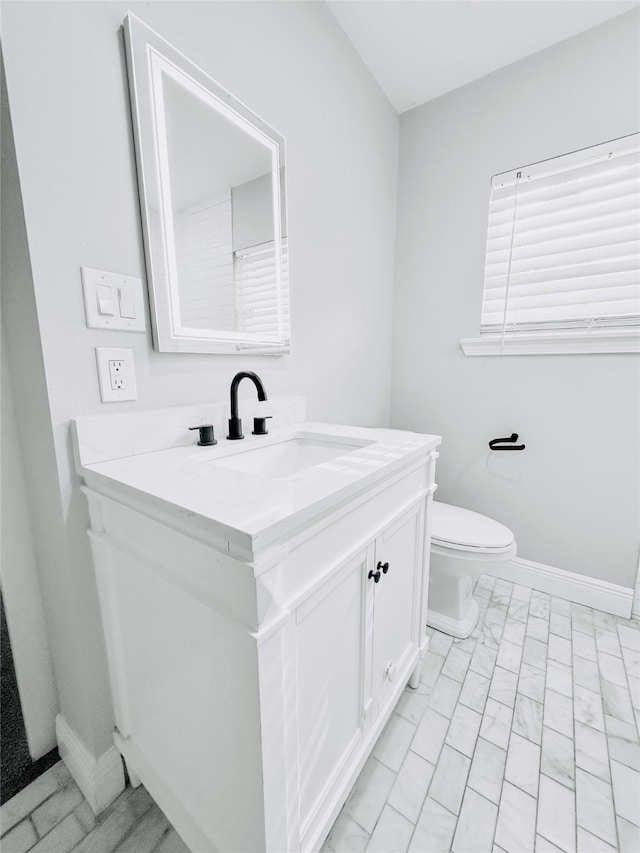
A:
(117, 378)
(116, 374)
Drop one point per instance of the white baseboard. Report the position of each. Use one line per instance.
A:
(100, 779)
(635, 610)
(582, 589)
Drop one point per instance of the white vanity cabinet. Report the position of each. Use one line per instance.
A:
(355, 644)
(252, 675)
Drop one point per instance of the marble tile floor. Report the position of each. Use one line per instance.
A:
(524, 737)
(52, 816)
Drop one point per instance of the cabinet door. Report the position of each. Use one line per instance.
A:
(396, 602)
(329, 655)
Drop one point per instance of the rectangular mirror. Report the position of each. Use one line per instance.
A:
(211, 177)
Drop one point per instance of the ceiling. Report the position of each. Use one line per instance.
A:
(420, 49)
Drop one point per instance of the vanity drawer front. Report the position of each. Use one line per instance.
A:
(345, 532)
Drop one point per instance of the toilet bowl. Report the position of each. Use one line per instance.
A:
(464, 544)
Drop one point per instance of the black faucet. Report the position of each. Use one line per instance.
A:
(235, 424)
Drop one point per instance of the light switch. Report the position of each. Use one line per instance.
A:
(127, 301)
(113, 301)
(105, 300)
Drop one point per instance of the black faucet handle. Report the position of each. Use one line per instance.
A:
(207, 438)
(260, 425)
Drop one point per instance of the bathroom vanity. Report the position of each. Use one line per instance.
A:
(264, 606)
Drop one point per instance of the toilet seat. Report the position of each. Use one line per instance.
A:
(458, 529)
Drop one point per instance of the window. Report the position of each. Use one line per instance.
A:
(261, 308)
(562, 269)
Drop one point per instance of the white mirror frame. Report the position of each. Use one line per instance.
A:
(149, 57)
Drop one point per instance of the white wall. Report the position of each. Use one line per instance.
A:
(572, 496)
(69, 104)
(69, 601)
(21, 585)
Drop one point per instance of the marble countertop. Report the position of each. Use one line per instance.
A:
(251, 507)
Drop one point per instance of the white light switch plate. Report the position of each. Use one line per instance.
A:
(112, 301)
(116, 374)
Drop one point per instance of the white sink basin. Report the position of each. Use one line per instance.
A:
(287, 457)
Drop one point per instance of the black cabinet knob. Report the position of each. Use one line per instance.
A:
(384, 567)
(374, 575)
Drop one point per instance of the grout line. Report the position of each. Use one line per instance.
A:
(35, 831)
(162, 838)
(495, 826)
(426, 796)
(606, 739)
(26, 816)
(573, 727)
(504, 775)
(593, 831)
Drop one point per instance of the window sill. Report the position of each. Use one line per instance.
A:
(556, 343)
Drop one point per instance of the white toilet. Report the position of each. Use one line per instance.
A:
(463, 544)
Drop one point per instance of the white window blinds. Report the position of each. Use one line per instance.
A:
(563, 245)
(262, 309)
